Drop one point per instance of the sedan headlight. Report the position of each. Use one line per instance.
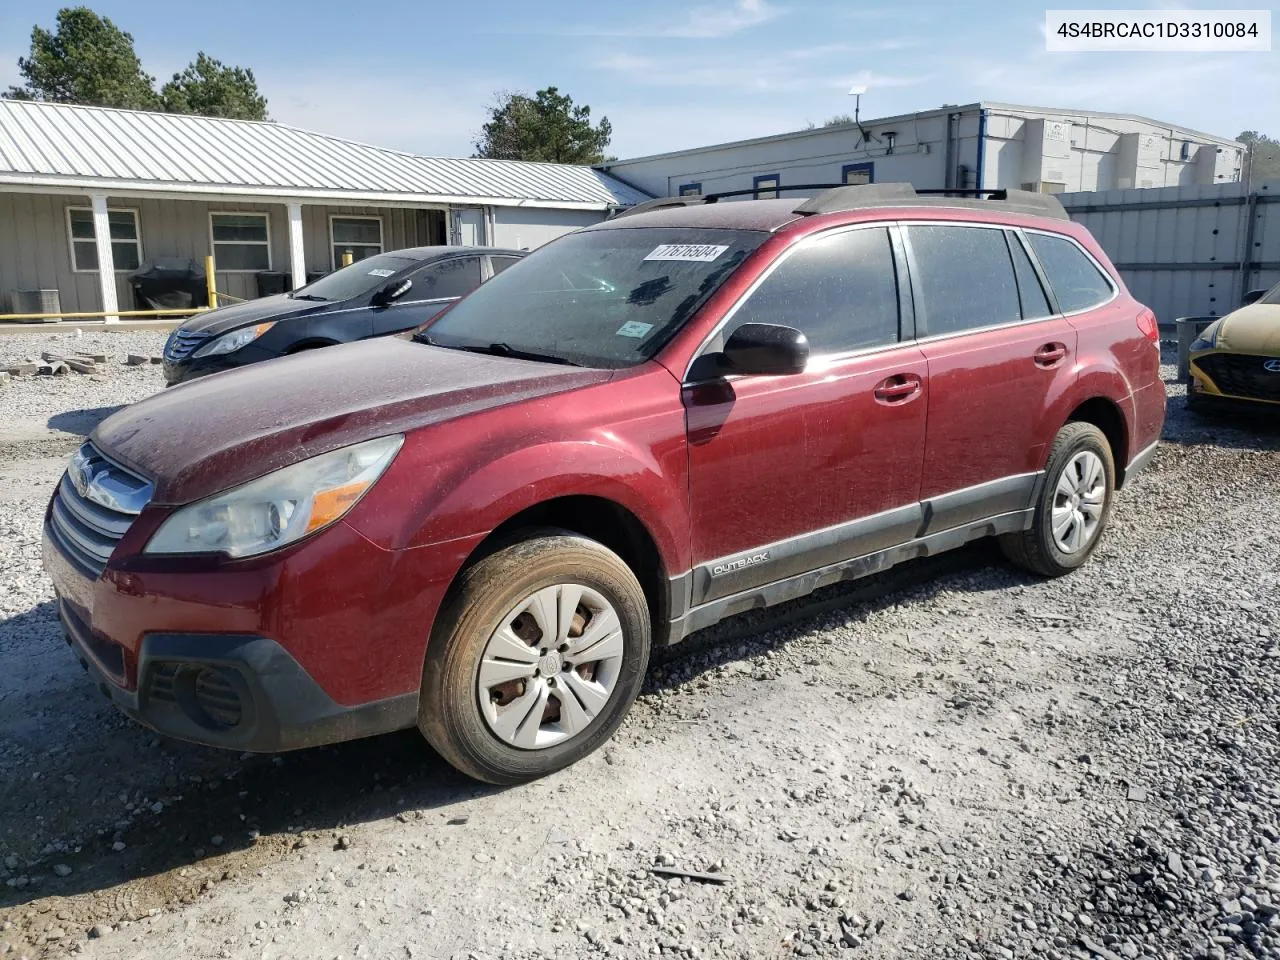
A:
(275, 510)
(233, 341)
(1207, 338)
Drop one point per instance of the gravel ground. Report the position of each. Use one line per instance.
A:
(951, 760)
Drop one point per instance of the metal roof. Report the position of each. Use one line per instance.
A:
(58, 145)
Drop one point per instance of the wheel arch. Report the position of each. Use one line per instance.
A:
(1107, 416)
(603, 520)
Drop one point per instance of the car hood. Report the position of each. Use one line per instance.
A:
(226, 319)
(1252, 329)
(210, 434)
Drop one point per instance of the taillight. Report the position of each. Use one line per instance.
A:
(1147, 324)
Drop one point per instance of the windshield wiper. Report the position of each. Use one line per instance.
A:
(506, 350)
(306, 296)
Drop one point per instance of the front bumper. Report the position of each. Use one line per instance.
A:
(180, 371)
(239, 692)
(1228, 379)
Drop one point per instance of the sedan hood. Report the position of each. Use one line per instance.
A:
(1253, 329)
(226, 319)
(205, 436)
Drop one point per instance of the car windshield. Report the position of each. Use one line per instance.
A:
(361, 277)
(597, 298)
(1271, 296)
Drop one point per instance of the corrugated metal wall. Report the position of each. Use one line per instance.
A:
(1187, 251)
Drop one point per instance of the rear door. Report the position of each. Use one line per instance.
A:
(792, 473)
(997, 356)
(435, 286)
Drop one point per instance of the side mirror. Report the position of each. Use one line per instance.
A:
(388, 292)
(765, 349)
(1253, 296)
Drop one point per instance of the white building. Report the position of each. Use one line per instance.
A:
(985, 145)
(88, 194)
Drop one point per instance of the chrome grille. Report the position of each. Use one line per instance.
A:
(96, 503)
(182, 343)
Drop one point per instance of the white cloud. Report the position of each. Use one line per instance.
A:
(710, 21)
(417, 115)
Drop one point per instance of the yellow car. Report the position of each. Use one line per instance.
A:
(1237, 358)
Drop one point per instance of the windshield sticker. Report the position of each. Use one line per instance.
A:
(634, 328)
(381, 272)
(694, 252)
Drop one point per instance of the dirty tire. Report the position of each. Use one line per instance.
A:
(1035, 549)
(449, 711)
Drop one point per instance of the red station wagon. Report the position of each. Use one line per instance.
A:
(693, 409)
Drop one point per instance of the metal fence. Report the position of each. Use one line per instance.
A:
(1187, 251)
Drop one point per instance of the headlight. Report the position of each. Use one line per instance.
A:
(233, 341)
(275, 510)
(1207, 338)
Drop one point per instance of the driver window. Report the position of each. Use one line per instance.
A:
(840, 290)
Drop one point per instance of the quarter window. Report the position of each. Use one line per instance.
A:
(1076, 282)
(690, 189)
(126, 242)
(448, 279)
(359, 236)
(962, 278)
(241, 241)
(501, 263)
(1030, 292)
(841, 291)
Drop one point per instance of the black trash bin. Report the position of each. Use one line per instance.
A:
(271, 282)
(169, 283)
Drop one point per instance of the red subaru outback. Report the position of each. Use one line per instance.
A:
(645, 426)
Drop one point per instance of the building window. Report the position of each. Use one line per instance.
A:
(126, 240)
(766, 186)
(856, 174)
(359, 236)
(241, 241)
(690, 189)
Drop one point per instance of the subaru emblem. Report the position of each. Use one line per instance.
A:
(1272, 366)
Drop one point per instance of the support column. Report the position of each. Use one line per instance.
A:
(297, 250)
(106, 262)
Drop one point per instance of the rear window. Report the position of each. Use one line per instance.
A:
(598, 298)
(962, 277)
(1076, 281)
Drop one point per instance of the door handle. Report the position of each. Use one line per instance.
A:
(899, 388)
(1051, 354)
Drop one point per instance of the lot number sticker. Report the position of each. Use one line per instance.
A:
(634, 328)
(380, 272)
(693, 252)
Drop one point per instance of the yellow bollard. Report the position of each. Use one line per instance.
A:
(211, 282)
(347, 258)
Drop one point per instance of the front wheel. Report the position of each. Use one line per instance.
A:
(538, 655)
(1073, 507)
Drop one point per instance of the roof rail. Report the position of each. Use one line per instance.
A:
(905, 195)
(657, 204)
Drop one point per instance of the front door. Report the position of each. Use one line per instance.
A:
(792, 473)
(435, 286)
(997, 355)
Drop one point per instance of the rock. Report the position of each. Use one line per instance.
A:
(22, 369)
(344, 843)
(62, 870)
(118, 846)
(136, 360)
(98, 931)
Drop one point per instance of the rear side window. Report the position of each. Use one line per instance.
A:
(1076, 282)
(962, 277)
(448, 278)
(501, 263)
(840, 291)
(1030, 293)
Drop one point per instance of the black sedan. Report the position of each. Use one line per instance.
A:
(380, 295)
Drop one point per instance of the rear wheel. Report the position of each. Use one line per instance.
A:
(539, 654)
(1074, 504)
